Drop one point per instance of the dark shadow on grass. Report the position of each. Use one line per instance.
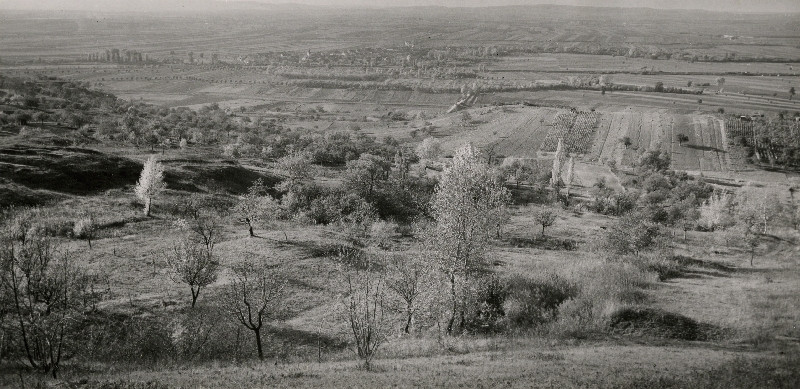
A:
(297, 337)
(544, 243)
(704, 148)
(688, 261)
(651, 322)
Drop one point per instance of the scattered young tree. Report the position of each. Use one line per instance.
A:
(193, 265)
(366, 308)
(626, 141)
(791, 93)
(545, 217)
(151, 182)
(409, 277)
(256, 206)
(682, 138)
(84, 228)
(464, 208)
(720, 83)
(254, 296)
(659, 86)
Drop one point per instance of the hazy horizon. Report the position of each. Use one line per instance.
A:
(743, 6)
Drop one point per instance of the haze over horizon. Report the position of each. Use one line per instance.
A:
(745, 6)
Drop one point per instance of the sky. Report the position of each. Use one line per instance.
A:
(780, 6)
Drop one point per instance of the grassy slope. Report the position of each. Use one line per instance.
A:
(758, 304)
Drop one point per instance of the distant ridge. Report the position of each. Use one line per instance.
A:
(203, 6)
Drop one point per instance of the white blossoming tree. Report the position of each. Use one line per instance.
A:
(151, 182)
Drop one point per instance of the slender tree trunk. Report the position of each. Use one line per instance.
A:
(249, 226)
(257, 333)
(407, 328)
(147, 207)
(195, 294)
(542, 229)
(452, 319)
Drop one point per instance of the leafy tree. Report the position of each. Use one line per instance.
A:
(791, 93)
(682, 138)
(151, 182)
(570, 175)
(255, 295)
(626, 141)
(296, 166)
(655, 160)
(558, 162)
(193, 265)
(720, 83)
(631, 234)
(659, 86)
(429, 149)
(546, 217)
(464, 207)
(518, 169)
(366, 174)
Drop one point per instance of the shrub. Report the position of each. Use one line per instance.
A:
(530, 303)
(485, 314)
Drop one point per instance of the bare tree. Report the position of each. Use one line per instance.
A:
(366, 309)
(254, 296)
(193, 265)
(48, 295)
(409, 277)
(151, 182)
